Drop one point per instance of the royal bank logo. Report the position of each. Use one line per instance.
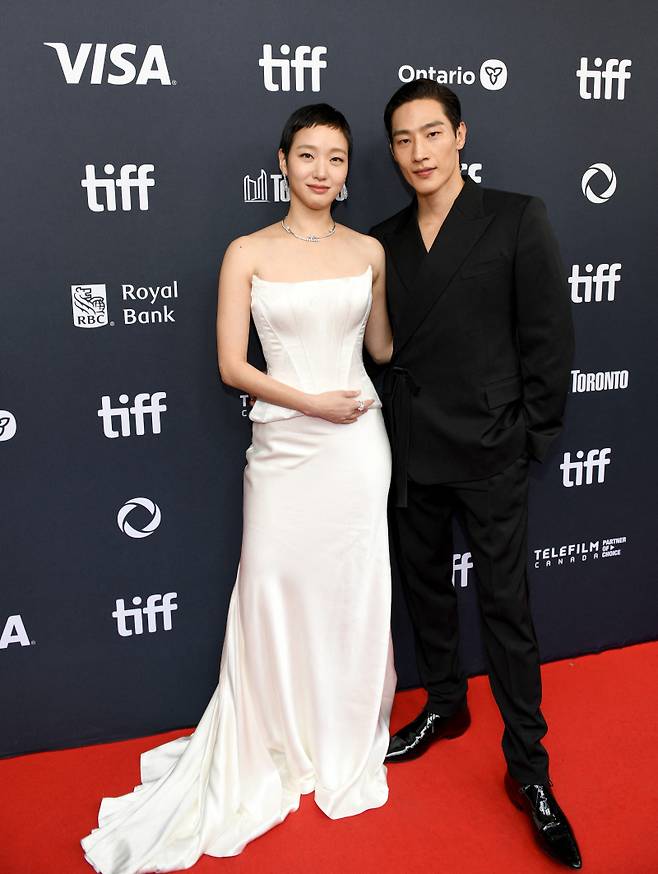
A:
(277, 71)
(585, 470)
(492, 74)
(132, 420)
(151, 307)
(130, 620)
(149, 513)
(601, 191)
(602, 380)
(461, 565)
(607, 83)
(594, 285)
(578, 553)
(119, 66)
(102, 193)
(7, 425)
(258, 188)
(89, 304)
(14, 632)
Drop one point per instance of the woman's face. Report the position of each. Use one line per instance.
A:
(316, 165)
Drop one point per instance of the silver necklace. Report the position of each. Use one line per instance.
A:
(309, 238)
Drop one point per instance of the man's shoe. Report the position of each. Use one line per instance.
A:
(412, 740)
(550, 825)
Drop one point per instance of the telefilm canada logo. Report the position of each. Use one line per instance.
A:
(123, 64)
(575, 553)
(603, 83)
(148, 509)
(277, 72)
(14, 632)
(258, 188)
(594, 284)
(492, 74)
(7, 425)
(130, 620)
(149, 304)
(600, 191)
(102, 193)
(132, 420)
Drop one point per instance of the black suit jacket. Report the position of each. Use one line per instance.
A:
(483, 338)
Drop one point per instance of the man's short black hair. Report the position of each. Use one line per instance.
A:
(423, 89)
(311, 116)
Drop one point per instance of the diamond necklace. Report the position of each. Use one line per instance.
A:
(309, 238)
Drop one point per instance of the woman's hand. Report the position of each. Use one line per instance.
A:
(340, 407)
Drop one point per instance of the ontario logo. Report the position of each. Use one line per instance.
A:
(492, 75)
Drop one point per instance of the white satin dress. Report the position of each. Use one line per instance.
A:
(306, 680)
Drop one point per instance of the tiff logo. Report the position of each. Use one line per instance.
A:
(300, 64)
(461, 564)
(257, 190)
(151, 611)
(616, 71)
(597, 459)
(125, 183)
(14, 632)
(153, 66)
(604, 280)
(145, 405)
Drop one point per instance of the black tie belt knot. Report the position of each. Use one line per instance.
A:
(400, 386)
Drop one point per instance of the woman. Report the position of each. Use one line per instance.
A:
(306, 680)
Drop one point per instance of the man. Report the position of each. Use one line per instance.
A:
(483, 343)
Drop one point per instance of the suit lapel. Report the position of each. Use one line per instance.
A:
(426, 275)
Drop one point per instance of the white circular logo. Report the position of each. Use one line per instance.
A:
(7, 425)
(126, 510)
(493, 74)
(609, 174)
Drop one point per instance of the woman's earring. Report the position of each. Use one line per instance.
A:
(342, 194)
(285, 189)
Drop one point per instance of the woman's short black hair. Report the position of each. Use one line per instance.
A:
(422, 89)
(311, 116)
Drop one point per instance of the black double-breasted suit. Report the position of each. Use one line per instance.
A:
(483, 344)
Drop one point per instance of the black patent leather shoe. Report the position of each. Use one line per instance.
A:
(551, 827)
(412, 740)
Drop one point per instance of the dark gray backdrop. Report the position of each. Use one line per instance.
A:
(68, 675)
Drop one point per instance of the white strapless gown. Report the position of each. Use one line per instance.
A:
(306, 681)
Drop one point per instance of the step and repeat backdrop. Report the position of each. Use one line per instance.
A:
(141, 138)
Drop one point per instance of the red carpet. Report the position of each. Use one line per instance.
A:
(447, 812)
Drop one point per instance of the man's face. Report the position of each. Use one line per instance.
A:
(424, 144)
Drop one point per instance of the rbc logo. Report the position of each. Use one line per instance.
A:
(145, 405)
(300, 64)
(154, 65)
(89, 304)
(615, 71)
(125, 183)
(461, 564)
(151, 611)
(597, 459)
(605, 278)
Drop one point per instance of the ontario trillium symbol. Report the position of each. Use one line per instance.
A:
(493, 73)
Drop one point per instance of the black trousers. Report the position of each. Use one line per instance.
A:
(494, 512)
